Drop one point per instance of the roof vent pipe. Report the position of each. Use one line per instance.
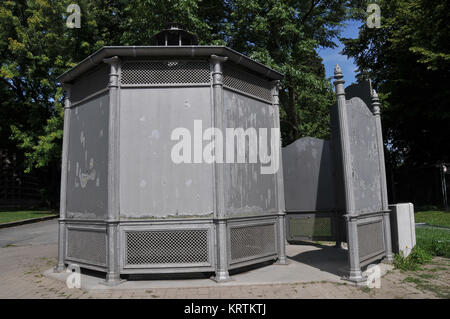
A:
(174, 35)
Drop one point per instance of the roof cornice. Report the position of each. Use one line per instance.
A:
(173, 51)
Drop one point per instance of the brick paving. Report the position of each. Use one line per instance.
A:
(21, 276)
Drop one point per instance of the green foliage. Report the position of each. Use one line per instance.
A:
(409, 58)
(415, 259)
(36, 47)
(285, 35)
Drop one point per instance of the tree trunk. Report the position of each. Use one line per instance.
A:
(292, 113)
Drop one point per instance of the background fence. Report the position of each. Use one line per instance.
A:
(19, 189)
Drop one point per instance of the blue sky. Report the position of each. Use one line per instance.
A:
(331, 57)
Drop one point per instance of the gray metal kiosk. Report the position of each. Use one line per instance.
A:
(126, 207)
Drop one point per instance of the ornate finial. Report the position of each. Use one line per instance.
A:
(339, 83)
(338, 71)
(375, 103)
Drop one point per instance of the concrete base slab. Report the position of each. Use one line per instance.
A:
(307, 263)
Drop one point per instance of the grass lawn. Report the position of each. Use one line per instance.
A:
(435, 242)
(436, 218)
(7, 216)
(430, 241)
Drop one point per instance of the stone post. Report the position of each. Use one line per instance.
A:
(63, 195)
(112, 221)
(220, 218)
(383, 184)
(280, 185)
(350, 213)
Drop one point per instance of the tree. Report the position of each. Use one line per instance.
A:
(36, 46)
(408, 59)
(285, 35)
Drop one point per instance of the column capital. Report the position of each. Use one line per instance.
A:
(276, 92)
(67, 94)
(218, 59)
(217, 77)
(114, 71)
(112, 60)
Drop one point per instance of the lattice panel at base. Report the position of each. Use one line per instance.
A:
(166, 247)
(310, 227)
(371, 240)
(252, 241)
(87, 245)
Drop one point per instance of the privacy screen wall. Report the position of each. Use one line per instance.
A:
(336, 190)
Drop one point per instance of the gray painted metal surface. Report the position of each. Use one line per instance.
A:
(152, 185)
(90, 83)
(371, 244)
(312, 226)
(364, 157)
(310, 191)
(309, 181)
(248, 191)
(87, 166)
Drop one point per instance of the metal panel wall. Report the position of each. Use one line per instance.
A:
(370, 239)
(309, 181)
(311, 226)
(361, 169)
(248, 191)
(151, 184)
(86, 244)
(364, 157)
(87, 167)
(90, 83)
(310, 190)
(236, 79)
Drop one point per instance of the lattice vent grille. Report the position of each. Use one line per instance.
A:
(247, 83)
(85, 245)
(310, 227)
(371, 240)
(165, 72)
(249, 241)
(167, 247)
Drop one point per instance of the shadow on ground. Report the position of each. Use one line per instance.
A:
(329, 259)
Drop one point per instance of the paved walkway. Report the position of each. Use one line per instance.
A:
(45, 232)
(27, 251)
(21, 276)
